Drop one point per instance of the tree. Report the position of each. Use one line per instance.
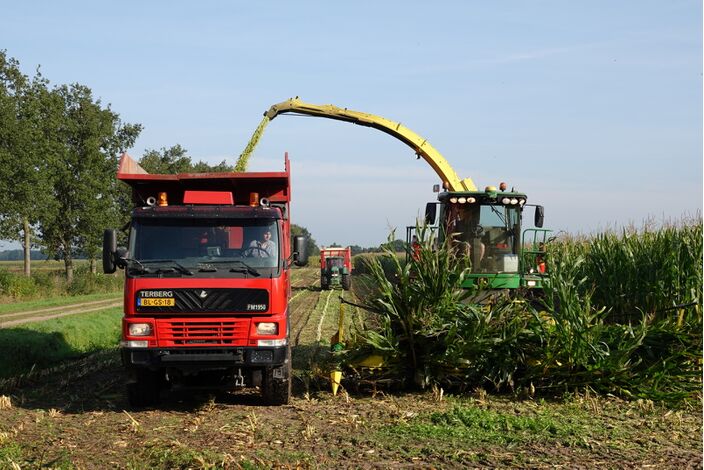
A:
(311, 246)
(23, 177)
(174, 160)
(84, 145)
(356, 249)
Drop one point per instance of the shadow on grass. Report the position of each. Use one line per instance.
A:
(24, 350)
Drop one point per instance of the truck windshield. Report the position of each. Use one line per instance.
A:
(335, 262)
(240, 246)
(488, 234)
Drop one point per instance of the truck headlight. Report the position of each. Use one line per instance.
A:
(134, 344)
(272, 342)
(267, 328)
(140, 329)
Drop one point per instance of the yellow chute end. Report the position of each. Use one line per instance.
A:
(335, 379)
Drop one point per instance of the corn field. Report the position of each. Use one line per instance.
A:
(620, 314)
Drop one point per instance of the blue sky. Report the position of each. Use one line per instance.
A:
(593, 108)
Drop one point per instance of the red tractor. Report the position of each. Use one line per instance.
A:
(335, 268)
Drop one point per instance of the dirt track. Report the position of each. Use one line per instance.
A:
(18, 318)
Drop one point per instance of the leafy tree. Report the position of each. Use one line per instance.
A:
(23, 177)
(167, 161)
(311, 246)
(84, 143)
(356, 249)
(174, 160)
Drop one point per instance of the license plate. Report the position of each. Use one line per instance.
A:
(156, 302)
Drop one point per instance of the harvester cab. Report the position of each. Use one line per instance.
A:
(335, 268)
(486, 226)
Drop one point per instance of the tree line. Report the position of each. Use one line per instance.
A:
(59, 152)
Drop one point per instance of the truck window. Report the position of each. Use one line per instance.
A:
(218, 242)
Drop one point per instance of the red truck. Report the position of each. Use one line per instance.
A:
(207, 282)
(335, 268)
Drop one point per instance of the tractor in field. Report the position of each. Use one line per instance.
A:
(335, 268)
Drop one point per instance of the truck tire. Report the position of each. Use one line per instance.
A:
(277, 390)
(145, 390)
(346, 281)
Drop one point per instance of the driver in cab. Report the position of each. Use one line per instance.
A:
(263, 248)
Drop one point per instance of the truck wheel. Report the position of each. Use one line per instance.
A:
(346, 281)
(277, 390)
(145, 391)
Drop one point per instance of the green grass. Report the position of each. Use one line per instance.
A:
(10, 452)
(477, 425)
(52, 283)
(54, 302)
(44, 344)
(468, 424)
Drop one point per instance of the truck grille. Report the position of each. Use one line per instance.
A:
(196, 332)
(205, 301)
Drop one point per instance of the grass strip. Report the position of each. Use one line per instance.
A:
(43, 344)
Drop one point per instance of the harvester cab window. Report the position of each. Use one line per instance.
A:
(486, 234)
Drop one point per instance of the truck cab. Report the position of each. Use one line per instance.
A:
(207, 282)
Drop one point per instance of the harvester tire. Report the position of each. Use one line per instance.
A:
(346, 281)
(277, 390)
(145, 390)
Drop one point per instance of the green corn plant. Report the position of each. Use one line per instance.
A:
(414, 303)
(597, 327)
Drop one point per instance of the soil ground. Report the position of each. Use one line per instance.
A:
(77, 416)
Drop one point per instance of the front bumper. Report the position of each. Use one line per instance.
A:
(204, 358)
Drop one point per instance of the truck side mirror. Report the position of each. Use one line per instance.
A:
(430, 213)
(300, 254)
(539, 216)
(109, 251)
